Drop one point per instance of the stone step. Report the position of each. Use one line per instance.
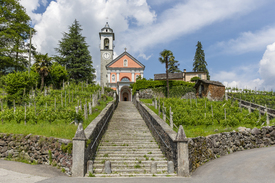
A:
(115, 148)
(126, 151)
(135, 170)
(129, 155)
(128, 141)
(134, 175)
(126, 145)
(115, 139)
(130, 166)
(130, 162)
(129, 159)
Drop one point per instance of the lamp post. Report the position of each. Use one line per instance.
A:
(30, 51)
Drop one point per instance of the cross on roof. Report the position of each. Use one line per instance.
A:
(125, 49)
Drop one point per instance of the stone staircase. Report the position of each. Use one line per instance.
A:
(129, 146)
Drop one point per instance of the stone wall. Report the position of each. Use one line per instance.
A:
(203, 149)
(34, 148)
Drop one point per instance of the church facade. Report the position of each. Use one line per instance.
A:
(120, 72)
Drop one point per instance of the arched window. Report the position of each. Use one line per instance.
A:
(113, 78)
(125, 79)
(106, 44)
(125, 63)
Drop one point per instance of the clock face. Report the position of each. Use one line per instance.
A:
(106, 55)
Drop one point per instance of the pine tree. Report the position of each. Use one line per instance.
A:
(199, 63)
(173, 65)
(75, 56)
(14, 32)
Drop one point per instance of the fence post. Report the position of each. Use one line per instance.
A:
(182, 153)
(90, 108)
(85, 112)
(226, 96)
(171, 118)
(79, 141)
(164, 114)
(249, 108)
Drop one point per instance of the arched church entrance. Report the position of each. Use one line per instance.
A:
(125, 93)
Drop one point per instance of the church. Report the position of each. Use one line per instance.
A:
(120, 72)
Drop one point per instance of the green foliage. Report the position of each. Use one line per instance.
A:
(173, 65)
(197, 119)
(42, 66)
(63, 170)
(74, 54)
(194, 79)
(56, 76)
(199, 60)
(91, 175)
(15, 84)
(67, 148)
(50, 157)
(14, 31)
(144, 84)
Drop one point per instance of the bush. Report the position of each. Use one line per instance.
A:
(15, 84)
(144, 84)
(194, 79)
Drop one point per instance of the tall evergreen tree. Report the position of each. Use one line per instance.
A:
(173, 65)
(14, 31)
(75, 56)
(199, 63)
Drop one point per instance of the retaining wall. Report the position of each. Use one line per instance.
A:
(36, 148)
(203, 149)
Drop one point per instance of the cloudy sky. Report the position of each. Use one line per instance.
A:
(238, 36)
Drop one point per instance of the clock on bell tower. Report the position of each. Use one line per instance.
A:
(106, 51)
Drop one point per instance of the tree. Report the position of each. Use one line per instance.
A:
(56, 76)
(18, 83)
(14, 31)
(173, 65)
(75, 56)
(42, 66)
(199, 63)
(165, 56)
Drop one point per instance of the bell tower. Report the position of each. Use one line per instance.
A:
(106, 51)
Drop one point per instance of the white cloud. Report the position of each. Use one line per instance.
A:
(248, 41)
(30, 6)
(244, 76)
(267, 66)
(144, 56)
(135, 24)
(241, 77)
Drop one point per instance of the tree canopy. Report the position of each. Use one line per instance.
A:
(75, 56)
(14, 31)
(199, 63)
(173, 65)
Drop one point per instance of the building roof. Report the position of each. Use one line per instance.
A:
(208, 82)
(121, 55)
(178, 75)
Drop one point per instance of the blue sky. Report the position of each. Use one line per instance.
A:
(238, 36)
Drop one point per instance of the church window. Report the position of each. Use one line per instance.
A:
(125, 63)
(106, 43)
(113, 78)
(125, 79)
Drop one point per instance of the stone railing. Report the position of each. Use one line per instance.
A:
(173, 145)
(37, 149)
(86, 141)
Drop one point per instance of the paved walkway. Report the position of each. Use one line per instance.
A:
(256, 165)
